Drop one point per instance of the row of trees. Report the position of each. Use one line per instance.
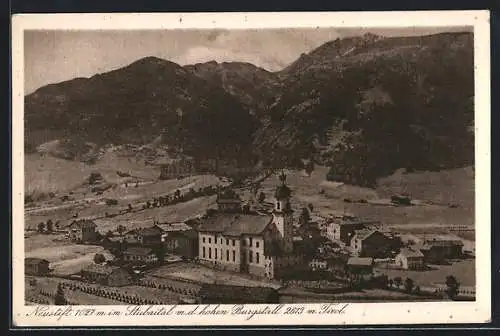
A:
(47, 227)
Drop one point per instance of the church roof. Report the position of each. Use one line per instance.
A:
(235, 224)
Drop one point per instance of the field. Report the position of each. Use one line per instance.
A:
(463, 270)
(44, 173)
(204, 274)
(455, 186)
(50, 285)
(64, 258)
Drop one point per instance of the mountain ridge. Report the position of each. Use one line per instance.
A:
(326, 105)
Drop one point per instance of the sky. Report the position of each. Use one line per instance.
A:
(59, 55)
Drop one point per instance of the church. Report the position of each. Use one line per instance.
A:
(248, 242)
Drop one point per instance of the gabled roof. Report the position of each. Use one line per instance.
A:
(363, 234)
(354, 221)
(235, 224)
(172, 227)
(142, 251)
(411, 253)
(357, 261)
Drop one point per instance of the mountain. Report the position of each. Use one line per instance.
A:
(251, 85)
(365, 106)
(369, 105)
(137, 103)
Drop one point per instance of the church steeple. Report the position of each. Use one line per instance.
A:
(282, 194)
(282, 214)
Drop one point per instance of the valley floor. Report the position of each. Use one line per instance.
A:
(432, 215)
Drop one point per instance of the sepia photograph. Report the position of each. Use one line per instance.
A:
(221, 168)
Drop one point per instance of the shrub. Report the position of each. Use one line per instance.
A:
(99, 258)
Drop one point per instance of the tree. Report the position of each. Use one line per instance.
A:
(160, 252)
(41, 227)
(60, 298)
(304, 217)
(311, 207)
(409, 285)
(99, 258)
(262, 197)
(177, 194)
(120, 229)
(50, 226)
(452, 286)
(398, 281)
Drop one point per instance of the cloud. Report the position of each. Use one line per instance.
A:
(271, 50)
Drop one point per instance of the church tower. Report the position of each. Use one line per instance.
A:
(282, 213)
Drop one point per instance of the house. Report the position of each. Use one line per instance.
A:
(371, 243)
(342, 228)
(106, 275)
(410, 258)
(438, 248)
(228, 201)
(180, 239)
(258, 244)
(225, 294)
(144, 255)
(36, 266)
(83, 230)
(148, 236)
(360, 266)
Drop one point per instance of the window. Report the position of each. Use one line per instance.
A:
(250, 256)
(250, 241)
(257, 257)
(215, 253)
(209, 253)
(210, 240)
(221, 240)
(234, 256)
(203, 239)
(221, 254)
(256, 244)
(227, 255)
(278, 205)
(227, 241)
(234, 242)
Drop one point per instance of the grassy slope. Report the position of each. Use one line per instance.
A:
(446, 186)
(45, 174)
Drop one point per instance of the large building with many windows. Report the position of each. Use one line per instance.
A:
(247, 242)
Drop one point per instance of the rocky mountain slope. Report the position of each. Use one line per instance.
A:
(251, 85)
(135, 105)
(364, 105)
(369, 105)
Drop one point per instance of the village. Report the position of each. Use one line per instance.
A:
(244, 247)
